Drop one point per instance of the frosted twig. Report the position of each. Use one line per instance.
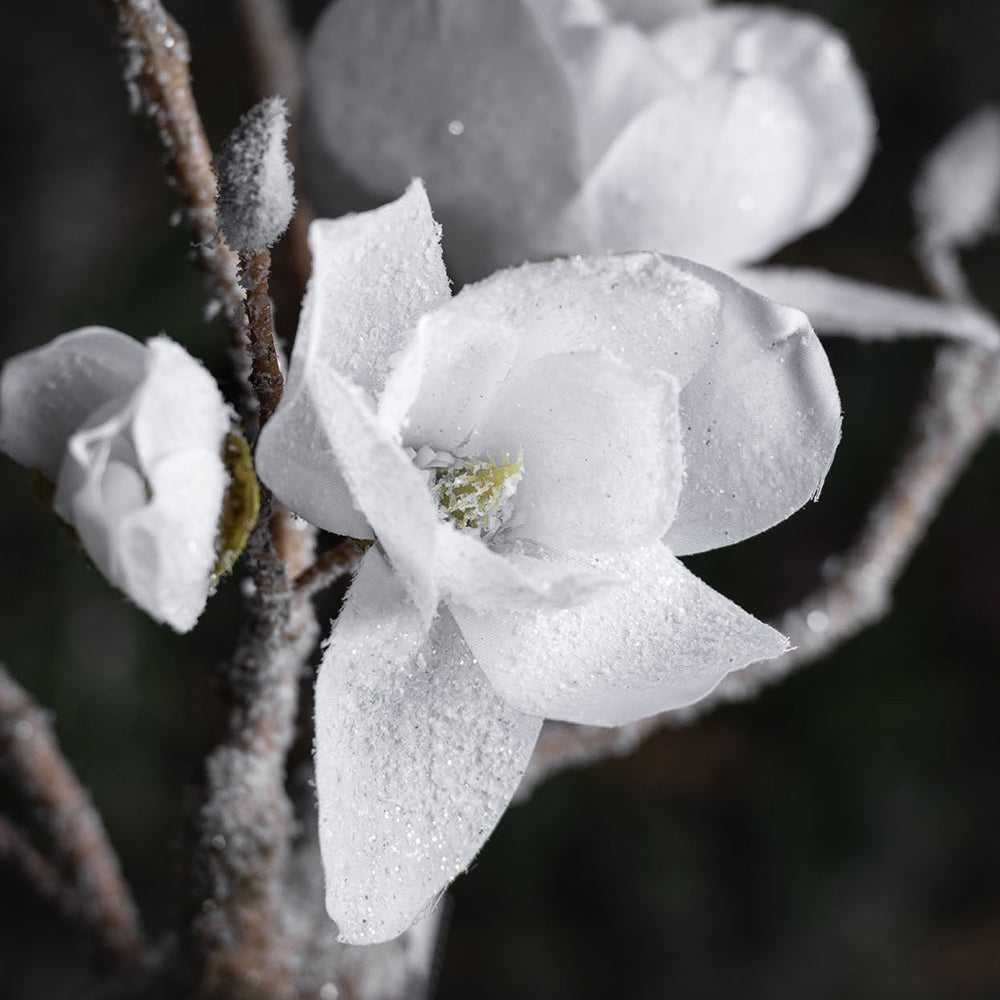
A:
(266, 379)
(957, 413)
(331, 566)
(37, 871)
(275, 48)
(158, 80)
(76, 843)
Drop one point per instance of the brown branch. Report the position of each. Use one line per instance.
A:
(961, 404)
(331, 566)
(275, 49)
(157, 77)
(78, 846)
(17, 851)
(265, 376)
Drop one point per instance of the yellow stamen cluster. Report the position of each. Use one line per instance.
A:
(472, 491)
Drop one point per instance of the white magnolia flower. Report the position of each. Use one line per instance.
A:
(531, 457)
(132, 439)
(546, 126)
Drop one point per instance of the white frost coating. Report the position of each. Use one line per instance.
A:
(132, 438)
(661, 641)
(256, 196)
(584, 403)
(718, 134)
(416, 758)
(957, 195)
(835, 304)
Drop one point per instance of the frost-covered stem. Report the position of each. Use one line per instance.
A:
(266, 379)
(332, 565)
(76, 843)
(17, 851)
(158, 79)
(275, 49)
(956, 414)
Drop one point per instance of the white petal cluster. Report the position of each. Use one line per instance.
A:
(656, 408)
(547, 126)
(131, 436)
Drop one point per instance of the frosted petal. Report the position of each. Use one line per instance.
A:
(957, 196)
(142, 481)
(601, 451)
(649, 14)
(835, 304)
(177, 406)
(760, 415)
(614, 73)
(390, 493)
(442, 382)
(728, 186)
(808, 59)
(660, 641)
(374, 274)
(164, 551)
(46, 394)
(481, 579)
(464, 93)
(416, 758)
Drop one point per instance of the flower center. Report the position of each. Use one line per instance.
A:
(475, 493)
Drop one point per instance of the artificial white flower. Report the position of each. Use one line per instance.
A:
(531, 456)
(546, 126)
(132, 438)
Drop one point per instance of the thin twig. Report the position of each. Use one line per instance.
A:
(265, 376)
(961, 404)
(75, 838)
(157, 76)
(275, 49)
(332, 565)
(17, 851)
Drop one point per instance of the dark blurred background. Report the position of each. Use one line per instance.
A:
(839, 837)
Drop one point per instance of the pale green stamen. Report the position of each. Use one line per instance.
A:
(472, 492)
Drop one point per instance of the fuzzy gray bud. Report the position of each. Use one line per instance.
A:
(256, 194)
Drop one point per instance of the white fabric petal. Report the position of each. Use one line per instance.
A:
(374, 274)
(443, 380)
(760, 415)
(649, 14)
(718, 171)
(835, 304)
(143, 480)
(464, 93)
(46, 394)
(957, 195)
(660, 641)
(482, 579)
(390, 494)
(600, 446)
(416, 758)
(811, 61)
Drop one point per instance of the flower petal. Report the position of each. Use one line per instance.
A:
(483, 579)
(806, 57)
(835, 304)
(600, 445)
(465, 93)
(660, 641)
(443, 379)
(728, 185)
(760, 415)
(374, 275)
(416, 758)
(386, 489)
(46, 394)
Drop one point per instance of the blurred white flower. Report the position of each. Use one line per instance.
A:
(544, 126)
(132, 439)
(530, 456)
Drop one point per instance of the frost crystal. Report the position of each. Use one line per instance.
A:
(256, 194)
